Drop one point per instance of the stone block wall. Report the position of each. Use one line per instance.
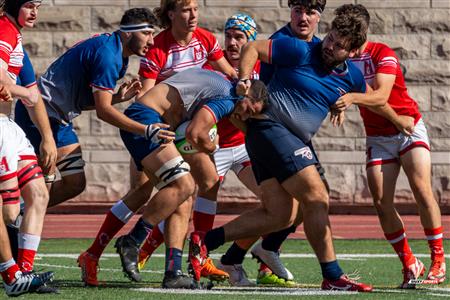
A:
(418, 30)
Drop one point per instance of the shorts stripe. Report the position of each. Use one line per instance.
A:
(8, 176)
(27, 157)
(415, 145)
(381, 162)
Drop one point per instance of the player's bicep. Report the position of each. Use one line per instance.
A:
(102, 100)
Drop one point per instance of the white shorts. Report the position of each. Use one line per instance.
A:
(14, 146)
(388, 149)
(233, 158)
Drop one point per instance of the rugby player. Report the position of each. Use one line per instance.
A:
(96, 65)
(20, 173)
(309, 79)
(14, 281)
(169, 102)
(392, 146)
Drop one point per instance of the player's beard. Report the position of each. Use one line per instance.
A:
(135, 45)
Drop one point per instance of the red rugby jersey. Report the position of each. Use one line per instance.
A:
(379, 58)
(166, 57)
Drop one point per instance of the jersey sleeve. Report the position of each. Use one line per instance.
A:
(213, 48)
(105, 72)
(27, 76)
(287, 51)
(7, 45)
(386, 61)
(220, 107)
(153, 62)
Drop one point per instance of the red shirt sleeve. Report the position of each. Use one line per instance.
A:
(386, 61)
(211, 44)
(8, 42)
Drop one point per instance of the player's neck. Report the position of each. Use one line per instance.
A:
(182, 38)
(13, 21)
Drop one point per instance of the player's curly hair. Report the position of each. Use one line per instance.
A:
(311, 4)
(353, 9)
(137, 16)
(162, 12)
(351, 26)
(260, 92)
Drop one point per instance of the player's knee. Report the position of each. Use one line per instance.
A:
(316, 199)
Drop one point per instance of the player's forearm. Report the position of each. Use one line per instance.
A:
(370, 99)
(386, 111)
(249, 56)
(116, 118)
(39, 116)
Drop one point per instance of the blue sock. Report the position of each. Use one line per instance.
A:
(140, 231)
(173, 259)
(331, 270)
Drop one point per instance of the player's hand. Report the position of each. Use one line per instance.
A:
(47, 157)
(405, 124)
(337, 117)
(344, 102)
(242, 87)
(5, 94)
(129, 89)
(158, 133)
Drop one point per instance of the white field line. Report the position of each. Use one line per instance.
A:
(249, 291)
(102, 269)
(355, 256)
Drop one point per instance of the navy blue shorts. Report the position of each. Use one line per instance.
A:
(64, 134)
(275, 152)
(138, 146)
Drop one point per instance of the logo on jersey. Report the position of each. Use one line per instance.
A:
(4, 165)
(341, 91)
(304, 152)
(368, 68)
(198, 53)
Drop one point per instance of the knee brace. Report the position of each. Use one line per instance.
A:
(28, 173)
(171, 171)
(71, 164)
(10, 196)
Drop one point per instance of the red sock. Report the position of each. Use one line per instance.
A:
(264, 268)
(9, 275)
(435, 237)
(400, 244)
(153, 241)
(110, 227)
(204, 214)
(28, 245)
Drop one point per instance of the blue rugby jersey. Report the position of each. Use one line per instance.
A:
(301, 90)
(267, 70)
(67, 85)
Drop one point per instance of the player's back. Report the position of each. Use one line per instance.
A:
(67, 84)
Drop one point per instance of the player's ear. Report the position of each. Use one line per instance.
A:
(353, 53)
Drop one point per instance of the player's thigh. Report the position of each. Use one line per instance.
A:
(203, 170)
(10, 193)
(417, 166)
(247, 177)
(137, 178)
(166, 163)
(277, 201)
(70, 163)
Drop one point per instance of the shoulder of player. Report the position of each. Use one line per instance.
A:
(381, 50)
(204, 35)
